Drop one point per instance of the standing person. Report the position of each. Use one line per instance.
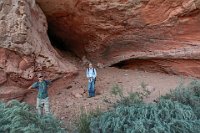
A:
(42, 97)
(91, 75)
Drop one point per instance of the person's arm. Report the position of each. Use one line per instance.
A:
(28, 90)
(34, 85)
(29, 87)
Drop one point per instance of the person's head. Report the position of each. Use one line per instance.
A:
(90, 65)
(40, 77)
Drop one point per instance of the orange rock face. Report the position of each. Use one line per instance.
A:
(153, 35)
(25, 48)
(108, 32)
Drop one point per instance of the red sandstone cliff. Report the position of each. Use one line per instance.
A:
(165, 34)
(25, 48)
(154, 35)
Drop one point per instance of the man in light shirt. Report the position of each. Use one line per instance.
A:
(91, 75)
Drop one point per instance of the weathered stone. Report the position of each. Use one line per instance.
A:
(153, 35)
(120, 30)
(2, 58)
(26, 62)
(11, 92)
(19, 38)
(25, 48)
(76, 94)
(2, 28)
(3, 77)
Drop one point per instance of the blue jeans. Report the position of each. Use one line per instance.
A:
(91, 88)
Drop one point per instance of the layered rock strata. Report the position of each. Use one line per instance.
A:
(108, 32)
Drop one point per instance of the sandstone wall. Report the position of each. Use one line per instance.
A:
(108, 32)
(25, 48)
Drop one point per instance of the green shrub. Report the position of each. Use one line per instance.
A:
(143, 85)
(83, 123)
(133, 98)
(145, 92)
(117, 91)
(189, 95)
(176, 112)
(164, 117)
(16, 117)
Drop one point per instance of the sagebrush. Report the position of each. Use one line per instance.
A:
(16, 117)
(188, 95)
(84, 121)
(177, 112)
(132, 98)
(166, 116)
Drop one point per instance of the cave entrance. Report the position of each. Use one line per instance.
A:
(61, 46)
(170, 66)
(57, 42)
(150, 65)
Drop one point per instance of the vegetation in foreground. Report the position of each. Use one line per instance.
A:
(176, 112)
(16, 117)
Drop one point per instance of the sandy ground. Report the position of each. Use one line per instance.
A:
(68, 102)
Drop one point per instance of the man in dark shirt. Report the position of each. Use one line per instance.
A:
(42, 97)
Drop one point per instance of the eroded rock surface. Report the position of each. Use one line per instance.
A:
(25, 48)
(111, 31)
(160, 35)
